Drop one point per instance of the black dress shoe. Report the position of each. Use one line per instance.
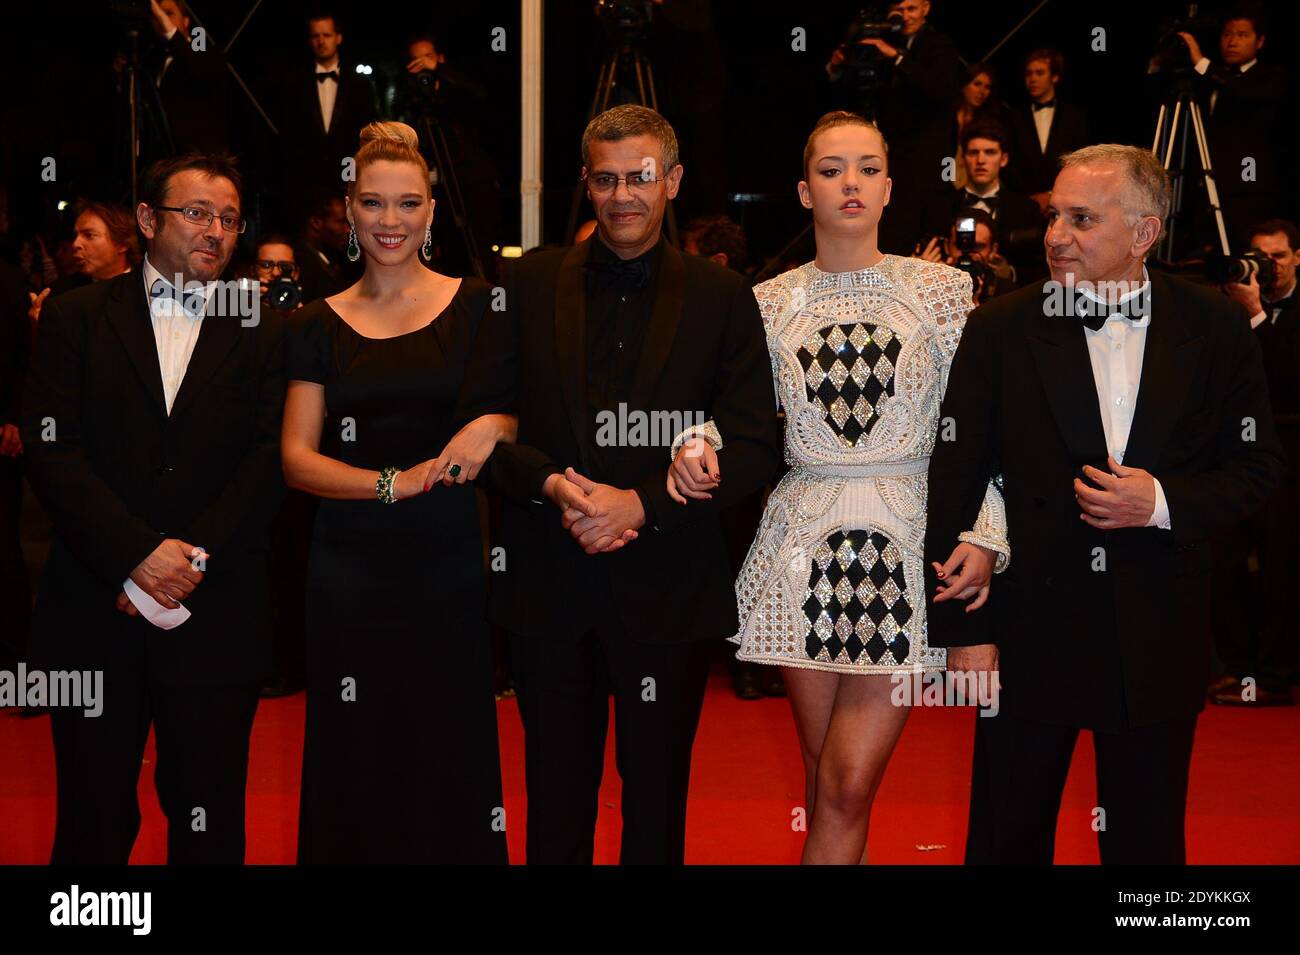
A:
(746, 682)
(279, 686)
(1263, 697)
(773, 683)
(1223, 684)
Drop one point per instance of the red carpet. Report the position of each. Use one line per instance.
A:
(1244, 806)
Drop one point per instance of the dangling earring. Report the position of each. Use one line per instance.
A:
(427, 248)
(354, 250)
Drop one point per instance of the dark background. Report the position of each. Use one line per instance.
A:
(741, 99)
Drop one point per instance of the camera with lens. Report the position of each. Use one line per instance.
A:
(1222, 269)
(283, 294)
(978, 271)
(624, 19)
(1171, 53)
(865, 67)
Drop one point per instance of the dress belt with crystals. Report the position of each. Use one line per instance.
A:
(885, 468)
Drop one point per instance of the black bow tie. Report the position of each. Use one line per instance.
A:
(970, 199)
(636, 271)
(1094, 315)
(191, 301)
(1048, 105)
(327, 75)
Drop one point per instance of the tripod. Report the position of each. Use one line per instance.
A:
(624, 54)
(1178, 114)
(427, 104)
(143, 102)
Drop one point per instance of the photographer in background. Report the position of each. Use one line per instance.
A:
(1243, 106)
(1268, 653)
(906, 81)
(972, 246)
(1017, 223)
(276, 268)
(437, 97)
(191, 79)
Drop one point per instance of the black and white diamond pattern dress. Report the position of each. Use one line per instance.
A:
(834, 579)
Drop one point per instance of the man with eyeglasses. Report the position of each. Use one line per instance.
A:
(612, 586)
(151, 425)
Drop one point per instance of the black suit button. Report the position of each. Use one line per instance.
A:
(1049, 581)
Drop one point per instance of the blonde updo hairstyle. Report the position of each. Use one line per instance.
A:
(390, 142)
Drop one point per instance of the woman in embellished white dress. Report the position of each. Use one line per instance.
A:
(833, 587)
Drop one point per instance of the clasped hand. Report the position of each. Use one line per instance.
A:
(601, 518)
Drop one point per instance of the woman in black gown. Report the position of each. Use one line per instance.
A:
(400, 761)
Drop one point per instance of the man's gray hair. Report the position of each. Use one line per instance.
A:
(631, 120)
(1148, 192)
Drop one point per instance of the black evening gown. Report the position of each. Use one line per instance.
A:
(400, 761)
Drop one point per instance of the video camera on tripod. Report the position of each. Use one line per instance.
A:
(865, 68)
(624, 20)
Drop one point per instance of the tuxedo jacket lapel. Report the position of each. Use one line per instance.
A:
(129, 316)
(1061, 357)
(1169, 362)
(217, 336)
(571, 342)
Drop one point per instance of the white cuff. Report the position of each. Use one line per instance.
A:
(1258, 318)
(1160, 516)
(162, 617)
(1202, 65)
(708, 431)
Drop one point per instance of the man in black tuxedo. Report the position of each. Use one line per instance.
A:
(1244, 102)
(1268, 658)
(609, 585)
(914, 109)
(192, 84)
(1044, 129)
(321, 114)
(1129, 422)
(151, 429)
(1018, 225)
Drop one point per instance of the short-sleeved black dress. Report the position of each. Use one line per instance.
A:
(400, 761)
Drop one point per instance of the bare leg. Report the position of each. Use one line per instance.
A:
(864, 728)
(812, 695)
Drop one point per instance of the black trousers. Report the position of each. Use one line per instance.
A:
(1019, 775)
(563, 682)
(201, 736)
(1269, 651)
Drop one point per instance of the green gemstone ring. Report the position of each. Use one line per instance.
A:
(454, 470)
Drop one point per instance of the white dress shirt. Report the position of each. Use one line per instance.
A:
(175, 331)
(1115, 351)
(1043, 124)
(326, 92)
(1269, 311)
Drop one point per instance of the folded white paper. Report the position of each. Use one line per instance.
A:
(153, 611)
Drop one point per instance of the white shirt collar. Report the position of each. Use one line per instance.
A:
(1248, 64)
(993, 190)
(328, 69)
